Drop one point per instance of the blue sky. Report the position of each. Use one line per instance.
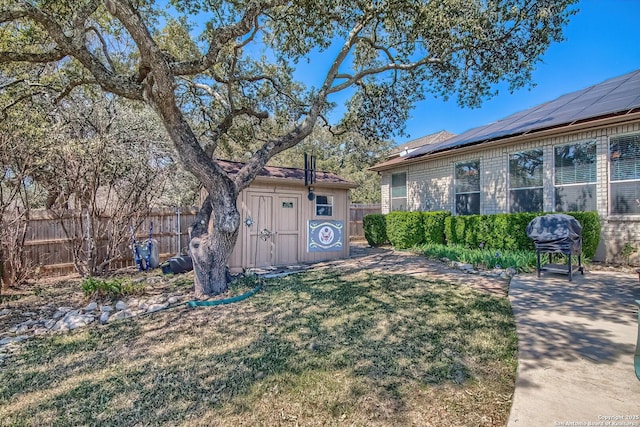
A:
(602, 41)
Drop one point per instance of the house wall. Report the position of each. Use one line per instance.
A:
(430, 183)
(244, 254)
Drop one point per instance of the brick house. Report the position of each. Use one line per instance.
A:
(579, 152)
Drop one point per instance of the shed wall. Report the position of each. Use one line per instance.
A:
(251, 249)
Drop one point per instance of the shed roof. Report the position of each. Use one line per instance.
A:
(291, 175)
(616, 97)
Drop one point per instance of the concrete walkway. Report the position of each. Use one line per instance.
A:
(576, 342)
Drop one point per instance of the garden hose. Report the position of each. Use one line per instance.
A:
(237, 298)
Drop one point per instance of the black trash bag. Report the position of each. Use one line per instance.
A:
(177, 264)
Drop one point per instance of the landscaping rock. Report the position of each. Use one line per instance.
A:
(121, 305)
(27, 323)
(73, 321)
(125, 314)
(106, 308)
(50, 323)
(143, 306)
(173, 300)
(5, 312)
(12, 340)
(29, 314)
(22, 329)
(104, 317)
(156, 307)
(91, 306)
(61, 312)
(40, 331)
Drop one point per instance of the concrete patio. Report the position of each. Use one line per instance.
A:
(576, 343)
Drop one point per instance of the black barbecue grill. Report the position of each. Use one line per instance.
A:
(556, 234)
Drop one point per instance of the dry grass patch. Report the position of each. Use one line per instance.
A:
(318, 348)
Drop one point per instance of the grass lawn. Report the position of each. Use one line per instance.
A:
(326, 347)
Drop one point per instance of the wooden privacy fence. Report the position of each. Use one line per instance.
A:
(48, 247)
(356, 213)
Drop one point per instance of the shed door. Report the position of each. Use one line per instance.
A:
(274, 234)
(287, 227)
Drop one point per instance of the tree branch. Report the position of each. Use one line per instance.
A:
(251, 169)
(103, 43)
(353, 79)
(223, 35)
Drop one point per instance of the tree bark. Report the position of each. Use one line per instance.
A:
(211, 246)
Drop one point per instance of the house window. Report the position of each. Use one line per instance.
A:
(625, 174)
(324, 205)
(575, 177)
(399, 191)
(467, 188)
(525, 181)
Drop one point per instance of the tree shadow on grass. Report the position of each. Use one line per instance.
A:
(325, 343)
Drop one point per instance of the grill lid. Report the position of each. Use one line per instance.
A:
(556, 233)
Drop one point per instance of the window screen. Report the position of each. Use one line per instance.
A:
(624, 152)
(399, 191)
(525, 181)
(575, 177)
(467, 188)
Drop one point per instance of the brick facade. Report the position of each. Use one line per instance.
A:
(430, 182)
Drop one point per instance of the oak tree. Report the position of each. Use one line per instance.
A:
(216, 71)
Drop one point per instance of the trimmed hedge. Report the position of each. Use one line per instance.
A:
(405, 229)
(590, 222)
(508, 231)
(433, 223)
(497, 232)
(375, 229)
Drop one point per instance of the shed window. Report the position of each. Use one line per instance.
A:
(575, 177)
(324, 205)
(399, 191)
(467, 188)
(625, 174)
(525, 181)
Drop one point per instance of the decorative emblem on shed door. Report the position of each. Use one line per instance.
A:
(325, 236)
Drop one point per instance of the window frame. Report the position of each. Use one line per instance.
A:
(510, 187)
(612, 182)
(405, 197)
(455, 186)
(330, 206)
(594, 143)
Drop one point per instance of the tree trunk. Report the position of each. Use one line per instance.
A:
(211, 247)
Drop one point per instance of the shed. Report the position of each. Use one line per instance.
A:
(281, 226)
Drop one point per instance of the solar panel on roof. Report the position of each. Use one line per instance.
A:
(618, 94)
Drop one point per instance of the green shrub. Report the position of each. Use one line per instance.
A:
(114, 288)
(590, 222)
(434, 225)
(485, 258)
(405, 229)
(508, 231)
(375, 229)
